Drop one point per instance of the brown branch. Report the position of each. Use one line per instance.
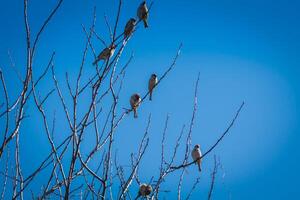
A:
(48, 19)
(7, 104)
(117, 20)
(47, 130)
(19, 117)
(61, 97)
(4, 184)
(193, 188)
(213, 176)
(13, 66)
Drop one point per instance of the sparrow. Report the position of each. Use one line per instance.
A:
(142, 13)
(106, 53)
(129, 27)
(152, 83)
(196, 155)
(145, 190)
(135, 101)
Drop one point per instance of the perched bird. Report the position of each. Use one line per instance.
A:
(106, 53)
(145, 190)
(152, 83)
(135, 101)
(129, 27)
(143, 14)
(196, 155)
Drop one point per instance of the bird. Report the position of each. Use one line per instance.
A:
(196, 155)
(152, 83)
(129, 27)
(145, 190)
(142, 13)
(106, 53)
(135, 101)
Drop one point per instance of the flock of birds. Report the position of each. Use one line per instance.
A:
(108, 52)
(135, 99)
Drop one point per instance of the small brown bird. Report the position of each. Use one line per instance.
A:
(151, 85)
(129, 27)
(145, 190)
(135, 101)
(196, 155)
(143, 14)
(106, 53)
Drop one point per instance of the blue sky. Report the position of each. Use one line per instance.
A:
(245, 51)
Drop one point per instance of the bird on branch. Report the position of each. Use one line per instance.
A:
(135, 101)
(144, 190)
(143, 13)
(129, 28)
(151, 85)
(106, 53)
(196, 155)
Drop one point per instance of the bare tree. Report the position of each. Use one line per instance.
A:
(66, 169)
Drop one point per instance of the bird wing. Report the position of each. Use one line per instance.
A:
(140, 12)
(195, 154)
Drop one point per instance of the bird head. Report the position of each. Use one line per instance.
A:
(137, 96)
(153, 76)
(148, 190)
(113, 46)
(197, 146)
(133, 20)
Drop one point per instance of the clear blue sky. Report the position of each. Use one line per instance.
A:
(245, 50)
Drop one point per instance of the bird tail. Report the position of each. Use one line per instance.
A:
(135, 113)
(126, 34)
(199, 166)
(146, 23)
(150, 96)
